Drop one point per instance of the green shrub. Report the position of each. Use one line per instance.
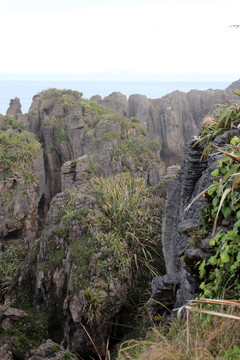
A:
(27, 333)
(9, 122)
(137, 148)
(53, 92)
(223, 119)
(125, 214)
(18, 152)
(220, 273)
(11, 261)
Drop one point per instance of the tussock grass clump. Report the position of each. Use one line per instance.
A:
(126, 215)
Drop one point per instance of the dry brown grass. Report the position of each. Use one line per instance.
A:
(211, 338)
(208, 120)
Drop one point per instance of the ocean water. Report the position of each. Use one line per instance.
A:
(25, 90)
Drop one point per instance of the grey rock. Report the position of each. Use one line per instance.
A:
(14, 314)
(6, 324)
(97, 98)
(194, 255)
(14, 108)
(164, 289)
(117, 102)
(178, 224)
(49, 349)
(6, 351)
(19, 202)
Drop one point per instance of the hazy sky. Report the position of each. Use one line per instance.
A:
(146, 36)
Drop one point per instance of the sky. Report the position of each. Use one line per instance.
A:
(153, 38)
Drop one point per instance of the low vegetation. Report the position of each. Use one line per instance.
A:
(11, 261)
(27, 333)
(222, 119)
(220, 273)
(18, 150)
(127, 216)
(211, 338)
(9, 122)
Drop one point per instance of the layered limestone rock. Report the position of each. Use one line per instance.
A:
(78, 274)
(117, 102)
(174, 119)
(69, 127)
(15, 108)
(182, 246)
(70, 282)
(22, 181)
(19, 203)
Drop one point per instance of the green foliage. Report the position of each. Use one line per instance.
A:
(123, 231)
(232, 354)
(11, 261)
(18, 152)
(118, 237)
(9, 122)
(110, 135)
(93, 304)
(27, 333)
(51, 352)
(55, 260)
(69, 356)
(7, 196)
(197, 234)
(74, 162)
(72, 212)
(126, 214)
(91, 172)
(220, 273)
(96, 110)
(224, 118)
(59, 129)
(210, 338)
(82, 250)
(53, 92)
(130, 127)
(137, 148)
(135, 120)
(154, 145)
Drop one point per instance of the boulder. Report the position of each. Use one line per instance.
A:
(117, 102)
(51, 350)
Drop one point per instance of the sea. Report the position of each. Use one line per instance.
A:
(25, 90)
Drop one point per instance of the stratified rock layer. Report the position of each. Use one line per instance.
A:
(180, 251)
